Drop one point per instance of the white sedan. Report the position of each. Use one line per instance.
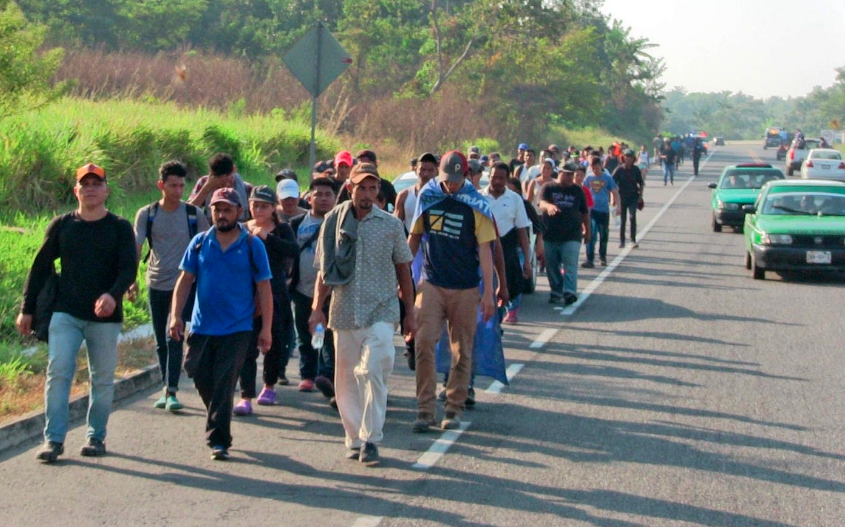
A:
(823, 163)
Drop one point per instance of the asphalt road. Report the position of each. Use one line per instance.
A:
(680, 392)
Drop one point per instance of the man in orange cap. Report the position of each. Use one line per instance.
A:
(97, 252)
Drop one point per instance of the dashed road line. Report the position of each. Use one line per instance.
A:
(544, 337)
(367, 521)
(440, 447)
(597, 281)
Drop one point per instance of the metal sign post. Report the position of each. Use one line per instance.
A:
(316, 60)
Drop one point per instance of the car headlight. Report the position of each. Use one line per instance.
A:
(775, 239)
(728, 206)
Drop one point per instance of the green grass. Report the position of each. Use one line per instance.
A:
(40, 151)
(594, 137)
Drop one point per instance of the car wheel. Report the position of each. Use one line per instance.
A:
(717, 227)
(748, 260)
(757, 272)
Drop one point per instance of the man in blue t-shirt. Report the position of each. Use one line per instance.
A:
(231, 267)
(602, 187)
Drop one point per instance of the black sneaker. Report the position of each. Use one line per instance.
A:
(603, 262)
(325, 385)
(588, 264)
(470, 402)
(50, 452)
(554, 299)
(621, 245)
(353, 454)
(94, 448)
(219, 453)
(369, 454)
(569, 298)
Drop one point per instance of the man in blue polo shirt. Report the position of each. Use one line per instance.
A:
(231, 267)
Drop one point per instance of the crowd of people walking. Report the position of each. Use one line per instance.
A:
(240, 270)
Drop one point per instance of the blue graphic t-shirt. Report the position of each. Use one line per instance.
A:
(601, 187)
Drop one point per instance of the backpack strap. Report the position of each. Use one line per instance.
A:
(152, 209)
(192, 211)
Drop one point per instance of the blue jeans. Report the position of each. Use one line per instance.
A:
(599, 222)
(562, 254)
(66, 336)
(668, 172)
(169, 350)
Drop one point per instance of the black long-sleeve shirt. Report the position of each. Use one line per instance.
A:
(96, 257)
(282, 248)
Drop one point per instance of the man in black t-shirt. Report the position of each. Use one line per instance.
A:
(631, 185)
(566, 219)
(97, 253)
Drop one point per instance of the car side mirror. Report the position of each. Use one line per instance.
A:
(713, 186)
(749, 209)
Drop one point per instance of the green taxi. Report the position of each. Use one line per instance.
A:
(796, 225)
(738, 185)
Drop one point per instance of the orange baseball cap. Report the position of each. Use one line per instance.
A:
(90, 168)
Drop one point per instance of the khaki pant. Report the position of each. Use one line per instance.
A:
(436, 306)
(363, 362)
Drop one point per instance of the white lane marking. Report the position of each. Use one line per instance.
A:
(544, 337)
(511, 372)
(440, 447)
(597, 281)
(367, 521)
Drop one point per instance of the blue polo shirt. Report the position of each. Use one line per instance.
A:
(225, 302)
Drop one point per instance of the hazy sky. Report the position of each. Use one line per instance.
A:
(759, 47)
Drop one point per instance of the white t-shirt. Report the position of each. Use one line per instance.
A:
(508, 210)
(410, 206)
(530, 173)
(643, 158)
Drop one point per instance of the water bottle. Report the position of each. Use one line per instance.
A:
(616, 220)
(318, 337)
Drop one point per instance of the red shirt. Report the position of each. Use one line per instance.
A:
(589, 195)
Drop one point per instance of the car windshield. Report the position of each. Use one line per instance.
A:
(805, 204)
(826, 154)
(737, 179)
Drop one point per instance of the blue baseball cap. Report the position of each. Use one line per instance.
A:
(523, 146)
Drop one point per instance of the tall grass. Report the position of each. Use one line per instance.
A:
(42, 149)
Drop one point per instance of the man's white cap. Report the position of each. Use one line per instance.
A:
(287, 188)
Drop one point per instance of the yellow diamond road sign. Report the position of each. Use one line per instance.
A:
(317, 59)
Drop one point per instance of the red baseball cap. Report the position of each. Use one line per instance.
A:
(344, 157)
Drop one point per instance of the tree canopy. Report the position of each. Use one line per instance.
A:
(533, 62)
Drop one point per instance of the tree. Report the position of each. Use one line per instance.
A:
(24, 72)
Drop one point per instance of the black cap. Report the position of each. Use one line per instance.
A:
(569, 167)
(285, 173)
(428, 157)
